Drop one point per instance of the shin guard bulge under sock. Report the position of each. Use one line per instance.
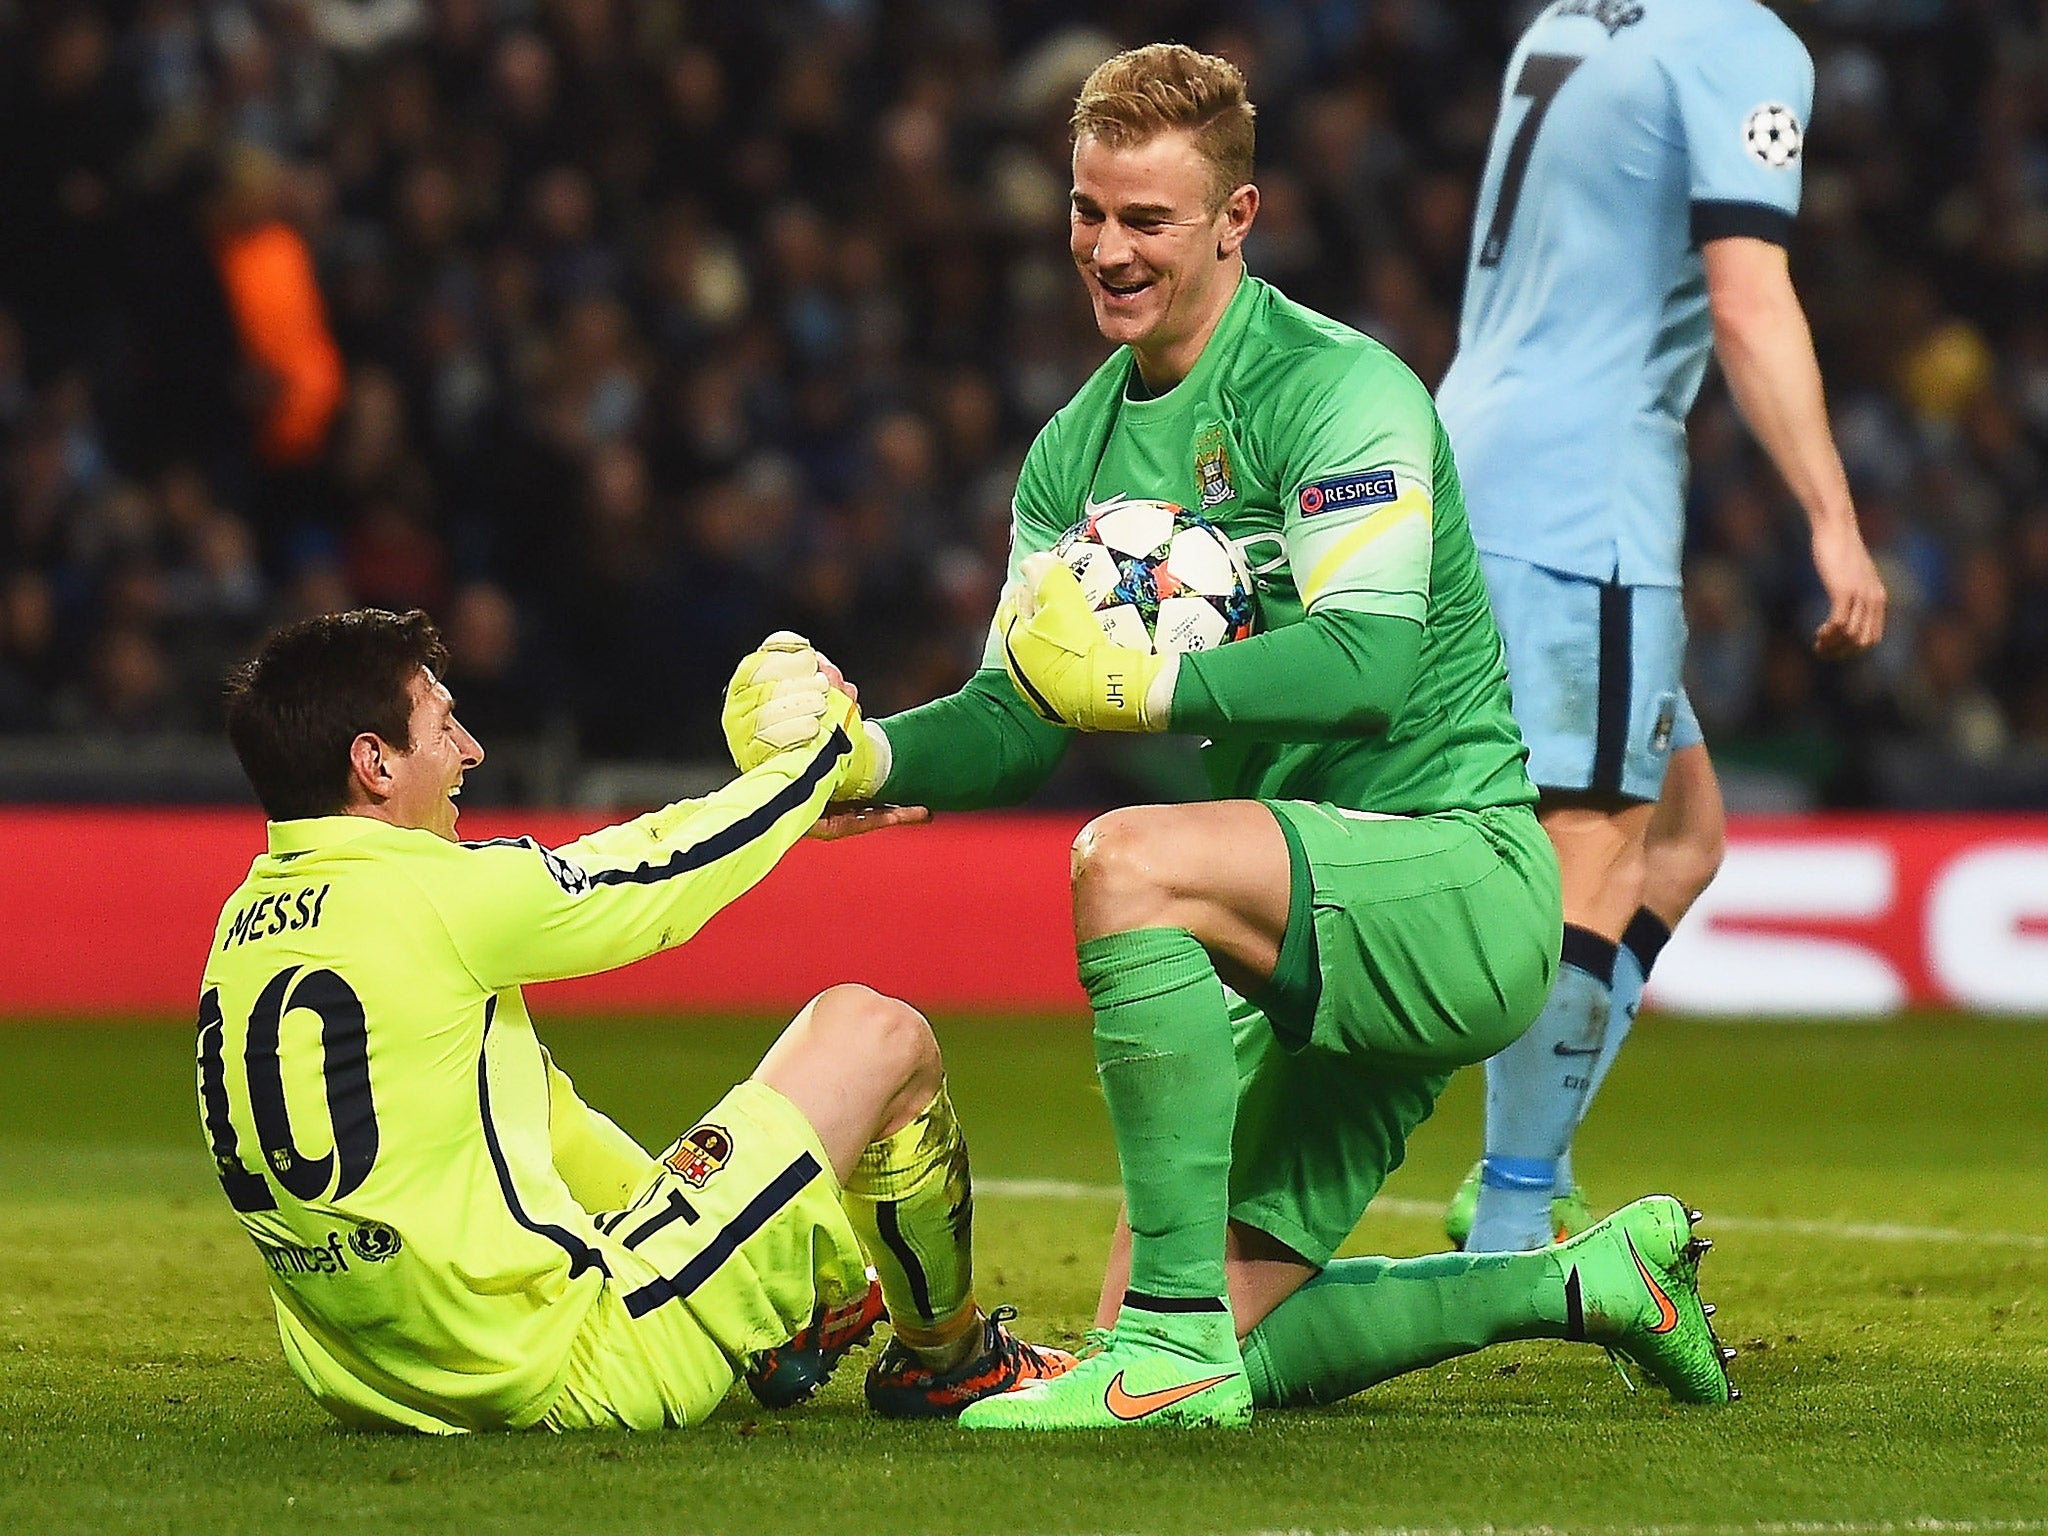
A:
(911, 1200)
(1640, 946)
(1534, 1091)
(1169, 1074)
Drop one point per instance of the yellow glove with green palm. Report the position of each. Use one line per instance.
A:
(1066, 668)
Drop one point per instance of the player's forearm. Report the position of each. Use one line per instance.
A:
(646, 885)
(1766, 353)
(733, 836)
(603, 1166)
(1336, 674)
(973, 750)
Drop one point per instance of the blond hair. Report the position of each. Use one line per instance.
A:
(1148, 91)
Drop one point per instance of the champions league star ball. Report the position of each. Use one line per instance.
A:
(1771, 133)
(1161, 578)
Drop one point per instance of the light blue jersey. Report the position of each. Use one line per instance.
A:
(1630, 133)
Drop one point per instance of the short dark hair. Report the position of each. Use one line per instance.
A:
(295, 710)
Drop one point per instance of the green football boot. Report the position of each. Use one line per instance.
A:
(1632, 1284)
(1569, 1212)
(1164, 1376)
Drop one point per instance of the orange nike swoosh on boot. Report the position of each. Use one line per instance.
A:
(1128, 1406)
(1667, 1314)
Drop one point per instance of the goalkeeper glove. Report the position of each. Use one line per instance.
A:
(776, 701)
(1066, 668)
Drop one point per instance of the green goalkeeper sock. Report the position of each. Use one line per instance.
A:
(911, 1200)
(1169, 1073)
(1362, 1321)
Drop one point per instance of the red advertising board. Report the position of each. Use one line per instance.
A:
(110, 912)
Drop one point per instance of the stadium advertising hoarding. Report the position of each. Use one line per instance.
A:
(109, 912)
(1858, 916)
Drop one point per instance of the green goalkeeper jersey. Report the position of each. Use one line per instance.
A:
(1320, 455)
(418, 1177)
(1377, 683)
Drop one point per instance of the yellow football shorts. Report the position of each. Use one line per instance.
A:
(730, 1249)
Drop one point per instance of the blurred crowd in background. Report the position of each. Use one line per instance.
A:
(616, 333)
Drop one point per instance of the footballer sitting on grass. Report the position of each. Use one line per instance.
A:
(456, 1241)
(1283, 979)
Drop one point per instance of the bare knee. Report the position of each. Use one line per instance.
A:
(1119, 872)
(870, 1026)
(1681, 868)
(1631, 867)
(859, 1066)
(1601, 858)
(882, 1034)
(1689, 836)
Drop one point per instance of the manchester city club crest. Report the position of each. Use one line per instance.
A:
(700, 1154)
(1667, 721)
(1212, 468)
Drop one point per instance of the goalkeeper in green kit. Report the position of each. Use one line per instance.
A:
(1283, 979)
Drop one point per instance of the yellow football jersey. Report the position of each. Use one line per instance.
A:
(416, 1173)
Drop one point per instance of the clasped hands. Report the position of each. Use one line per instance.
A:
(782, 697)
(1067, 670)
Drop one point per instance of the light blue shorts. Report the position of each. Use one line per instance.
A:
(1598, 675)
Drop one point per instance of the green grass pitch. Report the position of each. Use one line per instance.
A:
(1880, 1197)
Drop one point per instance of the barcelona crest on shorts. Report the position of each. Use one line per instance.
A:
(700, 1154)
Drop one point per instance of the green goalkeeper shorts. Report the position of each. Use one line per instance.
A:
(732, 1245)
(1415, 945)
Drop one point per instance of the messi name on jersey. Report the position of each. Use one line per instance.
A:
(274, 914)
(1371, 488)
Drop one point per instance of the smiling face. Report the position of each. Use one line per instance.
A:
(417, 787)
(1160, 255)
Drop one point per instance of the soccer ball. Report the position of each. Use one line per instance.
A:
(1160, 578)
(1771, 133)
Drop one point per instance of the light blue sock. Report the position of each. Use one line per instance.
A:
(1535, 1090)
(1638, 951)
(1513, 1215)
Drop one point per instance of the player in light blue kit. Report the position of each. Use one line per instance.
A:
(1637, 198)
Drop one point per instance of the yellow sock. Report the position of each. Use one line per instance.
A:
(911, 1199)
